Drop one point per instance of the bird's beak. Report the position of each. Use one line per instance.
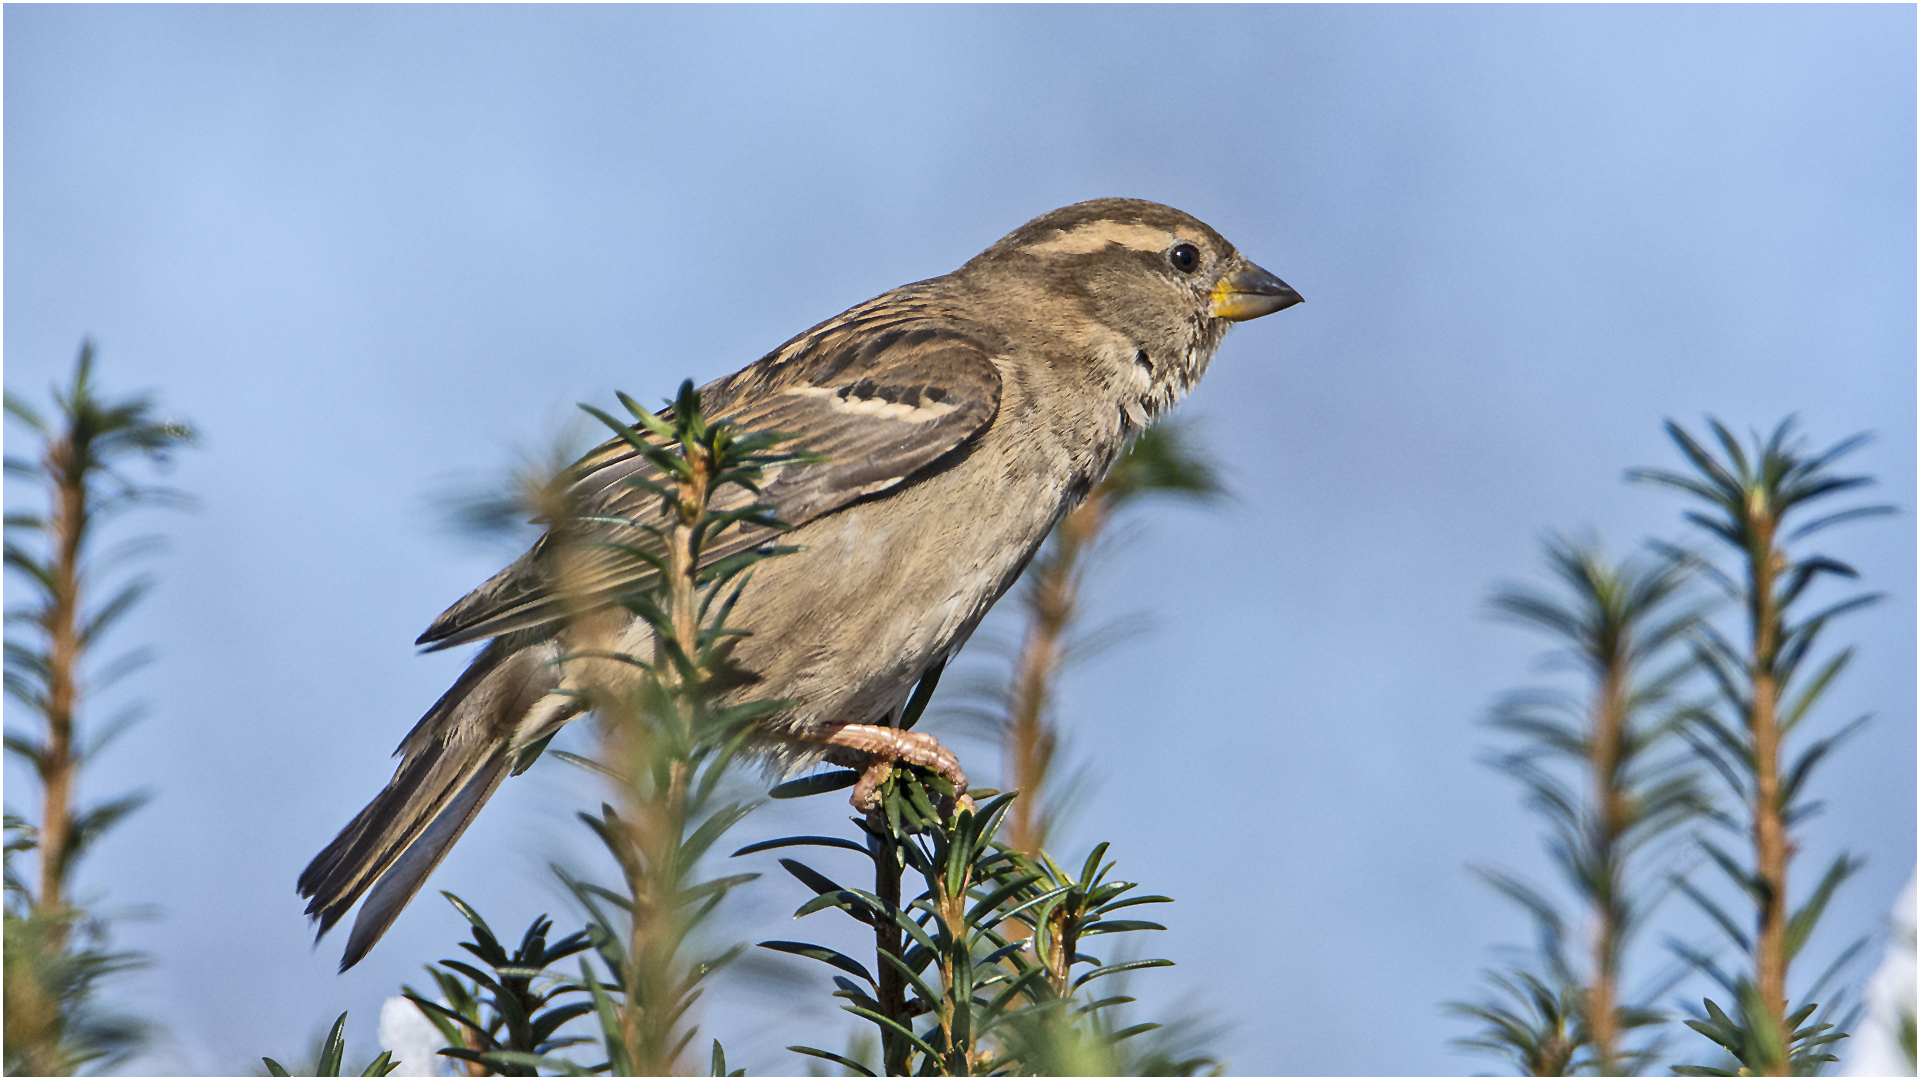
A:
(1249, 293)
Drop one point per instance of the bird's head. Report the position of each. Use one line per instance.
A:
(1144, 291)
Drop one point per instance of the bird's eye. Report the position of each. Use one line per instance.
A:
(1184, 257)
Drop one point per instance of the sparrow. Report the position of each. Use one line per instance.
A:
(951, 422)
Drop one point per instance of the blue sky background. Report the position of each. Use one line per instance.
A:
(373, 251)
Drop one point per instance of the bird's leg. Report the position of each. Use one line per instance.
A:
(874, 750)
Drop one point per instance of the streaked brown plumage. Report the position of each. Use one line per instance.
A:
(960, 417)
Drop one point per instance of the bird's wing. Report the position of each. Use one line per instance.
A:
(879, 407)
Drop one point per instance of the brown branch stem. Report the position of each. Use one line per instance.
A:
(68, 530)
(1603, 1020)
(887, 940)
(1051, 601)
(1766, 562)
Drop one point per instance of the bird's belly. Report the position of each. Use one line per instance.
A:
(846, 627)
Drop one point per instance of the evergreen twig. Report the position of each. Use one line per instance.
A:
(1767, 686)
(55, 952)
(1619, 625)
(1161, 460)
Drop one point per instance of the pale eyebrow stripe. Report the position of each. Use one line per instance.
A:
(1092, 237)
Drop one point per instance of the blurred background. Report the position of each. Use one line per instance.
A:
(377, 253)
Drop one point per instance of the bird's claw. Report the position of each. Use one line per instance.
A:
(884, 747)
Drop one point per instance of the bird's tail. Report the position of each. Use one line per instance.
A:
(451, 762)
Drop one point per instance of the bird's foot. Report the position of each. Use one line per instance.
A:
(875, 750)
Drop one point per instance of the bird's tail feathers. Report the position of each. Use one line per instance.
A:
(451, 763)
(403, 879)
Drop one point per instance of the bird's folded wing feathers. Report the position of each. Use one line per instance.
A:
(879, 407)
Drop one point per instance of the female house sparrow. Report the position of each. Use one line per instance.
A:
(959, 418)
